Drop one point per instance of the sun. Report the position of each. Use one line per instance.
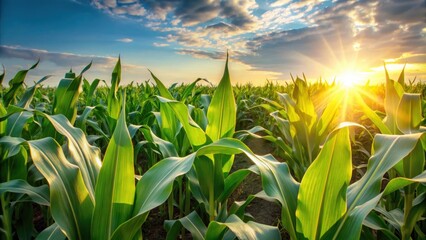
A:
(349, 79)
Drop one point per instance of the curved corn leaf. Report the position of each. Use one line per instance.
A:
(115, 187)
(192, 222)
(70, 202)
(152, 190)
(29, 93)
(16, 123)
(400, 182)
(11, 146)
(388, 151)
(39, 195)
(53, 232)
(166, 148)
(233, 181)
(373, 221)
(164, 92)
(15, 84)
(80, 152)
(322, 194)
(195, 134)
(409, 113)
(384, 129)
(249, 230)
(14, 166)
(363, 195)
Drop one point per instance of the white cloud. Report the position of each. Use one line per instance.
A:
(156, 44)
(279, 3)
(125, 40)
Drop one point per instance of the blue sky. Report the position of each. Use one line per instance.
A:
(181, 41)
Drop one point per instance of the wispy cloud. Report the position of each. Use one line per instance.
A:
(57, 58)
(202, 54)
(57, 63)
(156, 44)
(125, 40)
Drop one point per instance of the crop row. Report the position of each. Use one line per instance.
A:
(84, 161)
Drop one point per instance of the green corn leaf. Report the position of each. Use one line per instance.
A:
(249, 230)
(388, 151)
(29, 93)
(373, 221)
(393, 93)
(39, 195)
(67, 94)
(221, 117)
(233, 181)
(384, 129)
(15, 165)
(328, 115)
(409, 113)
(70, 202)
(193, 223)
(363, 195)
(195, 134)
(15, 84)
(113, 95)
(115, 188)
(166, 148)
(10, 146)
(80, 152)
(164, 92)
(400, 182)
(91, 92)
(16, 123)
(53, 232)
(169, 123)
(81, 120)
(304, 102)
(322, 193)
(222, 110)
(152, 190)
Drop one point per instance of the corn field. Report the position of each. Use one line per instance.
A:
(93, 159)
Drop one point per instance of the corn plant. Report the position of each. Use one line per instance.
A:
(301, 130)
(324, 205)
(14, 158)
(403, 116)
(210, 181)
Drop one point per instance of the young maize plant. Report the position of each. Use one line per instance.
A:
(301, 129)
(403, 116)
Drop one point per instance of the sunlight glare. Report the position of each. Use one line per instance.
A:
(348, 79)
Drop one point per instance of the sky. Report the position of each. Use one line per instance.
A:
(182, 40)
